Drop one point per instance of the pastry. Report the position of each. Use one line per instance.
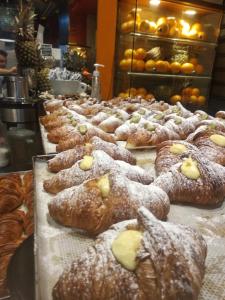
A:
(81, 136)
(91, 166)
(52, 105)
(151, 136)
(56, 134)
(143, 259)
(110, 124)
(101, 116)
(194, 180)
(220, 114)
(66, 159)
(211, 143)
(53, 116)
(98, 203)
(169, 153)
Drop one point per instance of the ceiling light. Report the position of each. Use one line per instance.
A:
(190, 12)
(154, 2)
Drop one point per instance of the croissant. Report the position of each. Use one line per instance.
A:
(52, 105)
(11, 195)
(98, 203)
(92, 166)
(220, 114)
(110, 124)
(151, 136)
(101, 116)
(195, 180)
(66, 159)
(76, 138)
(56, 134)
(11, 227)
(53, 116)
(211, 144)
(169, 153)
(145, 259)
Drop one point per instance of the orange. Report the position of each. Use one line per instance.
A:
(187, 68)
(163, 29)
(161, 21)
(149, 65)
(140, 53)
(142, 91)
(145, 26)
(128, 53)
(134, 64)
(140, 65)
(175, 98)
(201, 100)
(132, 26)
(149, 97)
(131, 16)
(199, 69)
(195, 92)
(122, 95)
(175, 67)
(197, 27)
(193, 99)
(185, 99)
(125, 27)
(152, 27)
(187, 92)
(132, 92)
(124, 66)
(193, 61)
(162, 66)
(202, 35)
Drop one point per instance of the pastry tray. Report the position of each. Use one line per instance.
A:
(56, 246)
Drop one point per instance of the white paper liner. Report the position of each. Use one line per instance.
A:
(48, 147)
(58, 246)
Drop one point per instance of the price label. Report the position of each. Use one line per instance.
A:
(46, 49)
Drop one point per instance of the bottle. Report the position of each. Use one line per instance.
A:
(96, 85)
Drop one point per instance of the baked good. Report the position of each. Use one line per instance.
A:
(169, 153)
(81, 136)
(151, 136)
(220, 114)
(53, 116)
(52, 105)
(110, 124)
(98, 203)
(11, 195)
(56, 134)
(101, 116)
(66, 159)
(211, 143)
(91, 166)
(195, 180)
(143, 259)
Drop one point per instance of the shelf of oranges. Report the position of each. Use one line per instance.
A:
(170, 40)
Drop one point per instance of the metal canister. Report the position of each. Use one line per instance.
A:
(17, 88)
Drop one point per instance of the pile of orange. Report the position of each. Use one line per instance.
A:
(135, 92)
(189, 95)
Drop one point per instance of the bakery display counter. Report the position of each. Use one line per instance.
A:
(86, 162)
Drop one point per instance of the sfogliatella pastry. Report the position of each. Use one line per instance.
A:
(195, 180)
(96, 164)
(98, 203)
(145, 259)
(169, 153)
(66, 159)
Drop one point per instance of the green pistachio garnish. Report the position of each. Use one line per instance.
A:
(177, 121)
(135, 119)
(82, 129)
(142, 111)
(149, 127)
(159, 117)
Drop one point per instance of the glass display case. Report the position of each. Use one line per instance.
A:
(166, 49)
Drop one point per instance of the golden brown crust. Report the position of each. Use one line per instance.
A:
(170, 265)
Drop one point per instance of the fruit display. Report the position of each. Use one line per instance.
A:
(135, 92)
(137, 60)
(189, 95)
(172, 27)
(25, 44)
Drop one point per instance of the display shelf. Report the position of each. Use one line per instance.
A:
(169, 39)
(159, 75)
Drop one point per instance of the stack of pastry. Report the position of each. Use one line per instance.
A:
(15, 224)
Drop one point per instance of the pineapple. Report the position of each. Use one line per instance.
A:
(43, 83)
(25, 46)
